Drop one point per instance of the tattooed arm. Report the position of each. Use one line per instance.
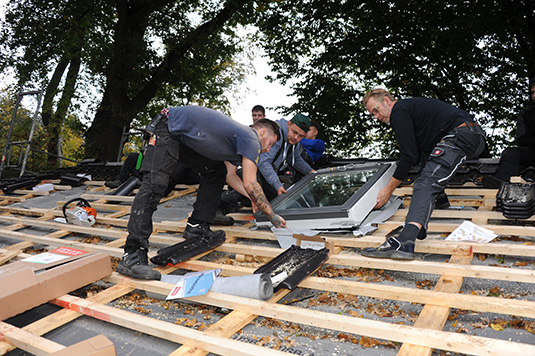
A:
(257, 195)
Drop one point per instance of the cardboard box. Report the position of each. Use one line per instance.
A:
(36, 280)
(99, 345)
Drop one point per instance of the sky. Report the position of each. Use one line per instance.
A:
(256, 90)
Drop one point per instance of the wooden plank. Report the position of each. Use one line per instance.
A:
(169, 331)
(28, 341)
(487, 272)
(461, 214)
(526, 276)
(460, 301)
(130, 198)
(10, 198)
(449, 227)
(435, 317)
(31, 192)
(14, 250)
(63, 316)
(455, 342)
(448, 341)
(226, 327)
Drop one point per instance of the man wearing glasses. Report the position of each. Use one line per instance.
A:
(425, 128)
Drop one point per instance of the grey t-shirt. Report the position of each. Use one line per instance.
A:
(214, 135)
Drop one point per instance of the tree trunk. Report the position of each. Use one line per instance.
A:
(104, 136)
(118, 108)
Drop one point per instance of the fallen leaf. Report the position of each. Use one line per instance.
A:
(496, 327)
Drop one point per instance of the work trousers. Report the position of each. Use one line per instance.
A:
(161, 158)
(513, 160)
(461, 143)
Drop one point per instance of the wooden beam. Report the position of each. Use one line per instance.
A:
(226, 327)
(484, 304)
(169, 331)
(433, 316)
(27, 341)
(371, 328)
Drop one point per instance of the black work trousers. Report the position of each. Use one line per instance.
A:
(448, 155)
(513, 160)
(161, 158)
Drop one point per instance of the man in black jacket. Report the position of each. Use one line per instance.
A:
(423, 127)
(514, 159)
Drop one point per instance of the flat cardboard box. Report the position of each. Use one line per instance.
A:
(99, 345)
(34, 281)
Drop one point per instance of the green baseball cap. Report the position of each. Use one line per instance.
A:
(302, 121)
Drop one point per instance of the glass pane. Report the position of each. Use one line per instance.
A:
(327, 189)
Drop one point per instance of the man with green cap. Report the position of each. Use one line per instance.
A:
(284, 154)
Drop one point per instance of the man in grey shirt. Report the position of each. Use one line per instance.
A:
(212, 144)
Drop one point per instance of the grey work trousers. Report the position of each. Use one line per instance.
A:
(459, 144)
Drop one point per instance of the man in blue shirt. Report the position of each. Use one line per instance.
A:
(212, 144)
(313, 146)
(429, 128)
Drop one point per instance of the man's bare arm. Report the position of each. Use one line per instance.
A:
(256, 194)
(234, 180)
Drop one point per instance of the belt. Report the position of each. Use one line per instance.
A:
(468, 123)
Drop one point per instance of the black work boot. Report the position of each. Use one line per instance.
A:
(222, 219)
(391, 248)
(202, 230)
(136, 265)
(113, 183)
(442, 201)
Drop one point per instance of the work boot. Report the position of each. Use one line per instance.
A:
(391, 248)
(113, 183)
(222, 219)
(136, 265)
(202, 231)
(442, 201)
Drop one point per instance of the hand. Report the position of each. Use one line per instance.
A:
(277, 221)
(281, 190)
(382, 197)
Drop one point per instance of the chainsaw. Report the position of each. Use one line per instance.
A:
(81, 214)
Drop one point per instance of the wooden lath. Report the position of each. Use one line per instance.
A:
(419, 339)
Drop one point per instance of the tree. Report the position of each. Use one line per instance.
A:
(475, 55)
(42, 37)
(139, 54)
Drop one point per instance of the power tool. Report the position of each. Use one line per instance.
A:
(81, 214)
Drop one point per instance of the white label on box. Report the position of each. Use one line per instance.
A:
(45, 258)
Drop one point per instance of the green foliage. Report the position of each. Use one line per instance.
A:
(73, 143)
(474, 55)
(134, 57)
